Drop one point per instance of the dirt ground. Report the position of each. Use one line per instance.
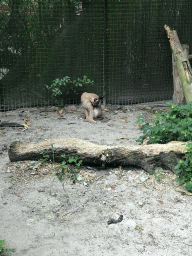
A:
(42, 216)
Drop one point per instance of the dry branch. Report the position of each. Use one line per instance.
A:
(145, 156)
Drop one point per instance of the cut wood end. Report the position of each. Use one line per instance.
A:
(168, 30)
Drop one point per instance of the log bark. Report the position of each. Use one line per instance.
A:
(181, 59)
(147, 157)
(178, 95)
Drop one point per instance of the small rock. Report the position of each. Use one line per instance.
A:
(30, 222)
(8, 169)
(79, 178)
(141, 204)
(143, 178)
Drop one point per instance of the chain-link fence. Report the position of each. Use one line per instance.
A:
(121, 45)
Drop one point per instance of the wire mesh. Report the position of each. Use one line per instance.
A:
(121, 45)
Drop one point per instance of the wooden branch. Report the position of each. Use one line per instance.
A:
(183, 65)
(145, 156)
(11, 124)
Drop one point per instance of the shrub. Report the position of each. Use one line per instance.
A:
(184, 167)
(175, 125)
(62, 89)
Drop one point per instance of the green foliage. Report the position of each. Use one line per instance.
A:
(64, 169)
(45, 157)
(175, 125)
(67, 86)
(29, 23)
(158, 174)
(189, 186)
(3, 252)
(184, 167)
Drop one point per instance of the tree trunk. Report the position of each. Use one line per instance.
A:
(178, 95)
(145, 156)
(181, 59)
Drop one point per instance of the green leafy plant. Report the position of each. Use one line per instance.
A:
(189, 186)
(184, 168)
(67, 86)
(3, 252)
(175, 125)
(158, 174)
(65, 169)
(45, 157)
(74, 171)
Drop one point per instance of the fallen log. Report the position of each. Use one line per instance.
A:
(148, 157)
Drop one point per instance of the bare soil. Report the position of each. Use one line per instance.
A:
(41, 215)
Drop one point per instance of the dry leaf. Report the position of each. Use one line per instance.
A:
(106, 110)
(124, 120)
(110, 186)
(70, 111)
(18, 194)
(161, 202)
(60, 111)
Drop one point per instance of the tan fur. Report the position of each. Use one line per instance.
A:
(91, 105)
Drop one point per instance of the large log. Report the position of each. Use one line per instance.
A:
(147, 157)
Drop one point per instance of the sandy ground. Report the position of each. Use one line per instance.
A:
(42, 216)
